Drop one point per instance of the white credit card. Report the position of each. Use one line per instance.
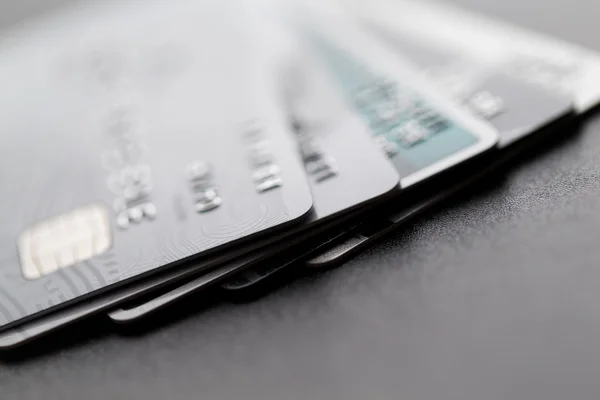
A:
(546, 61)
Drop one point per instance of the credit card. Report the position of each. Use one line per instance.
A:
(150, 145)
(332, 138)
(514, 107)
(550, 63)
(395, 104)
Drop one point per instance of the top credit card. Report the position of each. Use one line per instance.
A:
(135, 135)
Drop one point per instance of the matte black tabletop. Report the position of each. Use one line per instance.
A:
(494, 297)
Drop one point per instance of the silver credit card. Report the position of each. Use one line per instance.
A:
(133, 139)
(328, 136)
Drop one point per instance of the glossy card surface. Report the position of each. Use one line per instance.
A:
(336, 147)
(133, 138)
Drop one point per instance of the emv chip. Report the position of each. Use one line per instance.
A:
(64, 240)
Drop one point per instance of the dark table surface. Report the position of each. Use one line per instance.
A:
(496, 296)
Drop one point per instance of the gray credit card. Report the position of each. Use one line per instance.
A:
(372, 94)
(330, 139)
(135, 136)
(516, 108)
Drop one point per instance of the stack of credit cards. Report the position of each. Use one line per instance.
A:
(153, 150)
